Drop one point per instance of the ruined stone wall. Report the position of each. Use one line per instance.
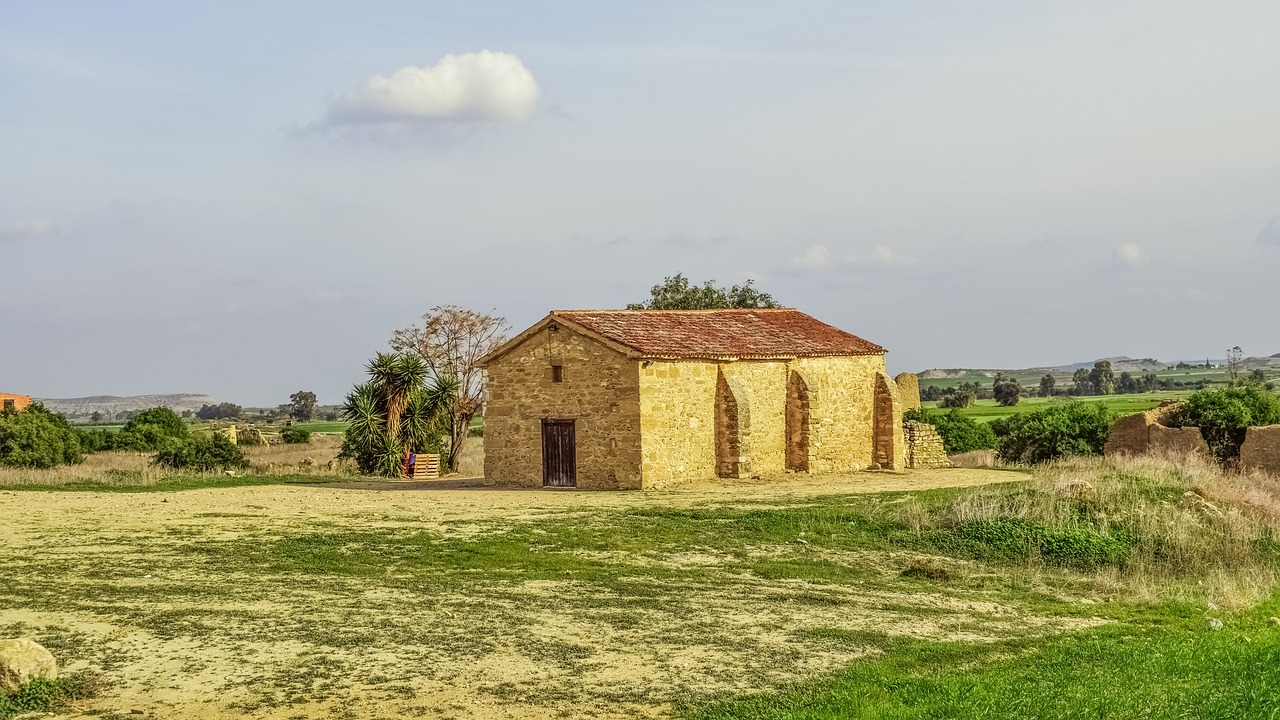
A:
(1145, 433)
(924, 446)
(909, 390)
(1261, 449)
(1176, 441)
(599, 391)
(19, 402)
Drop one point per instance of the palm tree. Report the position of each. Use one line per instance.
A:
(395, 411)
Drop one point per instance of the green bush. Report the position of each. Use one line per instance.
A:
(201, 452)
(295, 435)
(1223, 416)
(1077, 547)
(150, 430)
(960, 434)
(47, 696)
(1074, 428)
(37, 438)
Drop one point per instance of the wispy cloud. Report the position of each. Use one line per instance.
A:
(814, 257)
(29, 229)
(885, 256)
(480, 87)
(1129, 255)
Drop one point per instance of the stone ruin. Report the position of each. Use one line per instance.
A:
(924, 446)
(1145, 433)
(909, 388)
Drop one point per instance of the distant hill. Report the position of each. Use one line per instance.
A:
(109, 405)
(1119, 364)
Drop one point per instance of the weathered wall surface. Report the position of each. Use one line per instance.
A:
(677, 417)
(1145, 433)
(600, 391)
(924, 446)
(19, 402)
(1261, 449)
(678, 405)
(909, 390)
(842, 410)
(1176, 441)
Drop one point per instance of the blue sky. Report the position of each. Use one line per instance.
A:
(245, 199)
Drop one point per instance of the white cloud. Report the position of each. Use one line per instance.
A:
(1129, 255)
(472, 87)
(885, 256)
(29, 229)
(1270, 234)
(814, 257)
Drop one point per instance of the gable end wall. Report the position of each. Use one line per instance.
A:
(600, 392)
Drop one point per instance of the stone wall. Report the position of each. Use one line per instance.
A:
(678, 401)
(924, 446)
(1145, 433)
(909, 390)
(599, 390)
(19, 402)
(841, 410)
(1176, 441)
(1261, 449)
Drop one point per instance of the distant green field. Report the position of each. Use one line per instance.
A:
(988, 410)
(1063, 380)
(323, 426)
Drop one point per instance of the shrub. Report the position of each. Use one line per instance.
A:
(960, 434)
(1224, 415)
(151, 430)
(1078, 547)
(47, 696)
(36, 438)
(958, 399)
(295, 435)
(1074, 428)
(202, 452)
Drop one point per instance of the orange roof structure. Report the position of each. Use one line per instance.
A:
(737, 333)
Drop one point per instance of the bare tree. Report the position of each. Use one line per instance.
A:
(1235, 363)
(450, 340)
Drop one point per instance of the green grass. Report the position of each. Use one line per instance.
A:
(48, 696)
(323, 426)
(176, 483)
(988, 410)
(1177, 667)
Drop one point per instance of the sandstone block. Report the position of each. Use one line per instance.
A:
(1261, 449)
(23, 660)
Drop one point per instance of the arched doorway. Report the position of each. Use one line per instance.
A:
(797, 423)
(732, 429)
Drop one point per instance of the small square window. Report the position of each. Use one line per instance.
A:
(8, 404)
(557, 373)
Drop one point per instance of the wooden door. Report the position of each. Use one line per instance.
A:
(559, 461)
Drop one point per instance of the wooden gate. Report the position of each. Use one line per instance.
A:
(559, 461)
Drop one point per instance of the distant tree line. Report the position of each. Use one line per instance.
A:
(1101, 380)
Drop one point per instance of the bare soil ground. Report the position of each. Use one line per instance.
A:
(279, 601)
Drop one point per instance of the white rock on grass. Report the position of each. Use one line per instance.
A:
(22, 661)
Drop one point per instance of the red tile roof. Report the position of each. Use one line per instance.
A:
(762, 333)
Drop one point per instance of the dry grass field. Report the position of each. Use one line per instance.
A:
(309, 601)
(348, 598)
